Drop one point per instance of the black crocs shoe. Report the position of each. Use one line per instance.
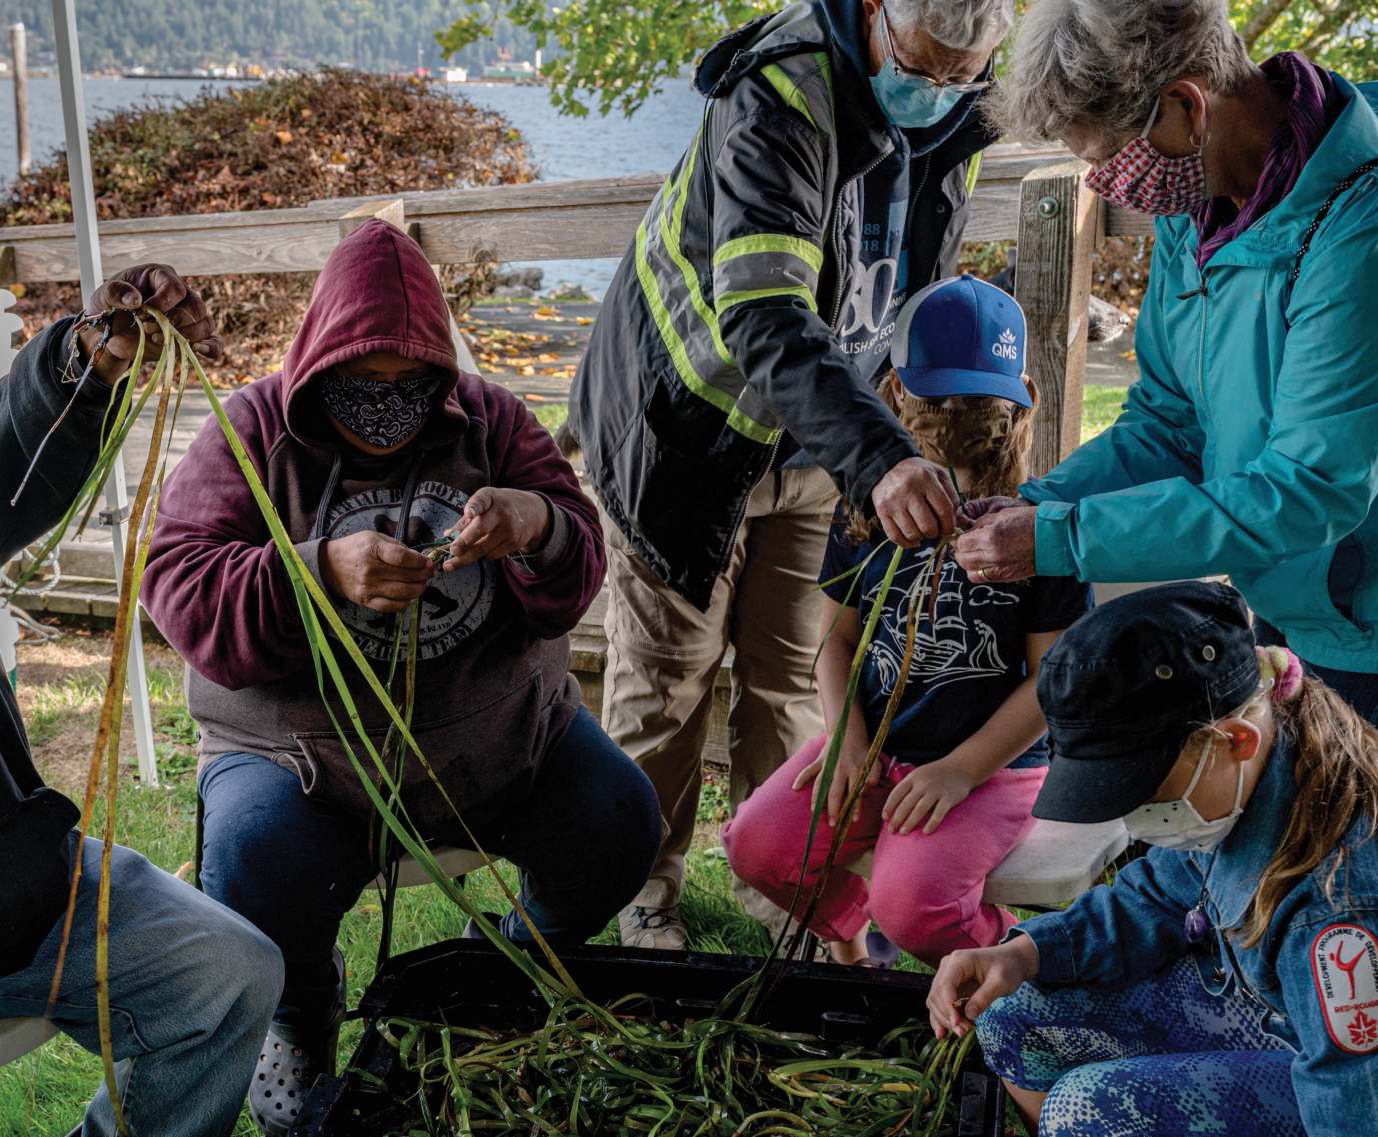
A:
(292, 1058)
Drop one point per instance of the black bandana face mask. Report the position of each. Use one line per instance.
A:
(380, 413)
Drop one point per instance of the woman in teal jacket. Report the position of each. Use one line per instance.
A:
(1249, 446)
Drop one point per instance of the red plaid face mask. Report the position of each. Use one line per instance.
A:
(1140, 179)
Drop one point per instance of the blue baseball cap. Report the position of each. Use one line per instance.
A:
(961, 336)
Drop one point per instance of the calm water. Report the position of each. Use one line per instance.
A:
(563, 148)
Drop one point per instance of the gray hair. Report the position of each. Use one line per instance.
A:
(963, 25)
(1101, 63)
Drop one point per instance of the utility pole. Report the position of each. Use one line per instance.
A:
(19, 54)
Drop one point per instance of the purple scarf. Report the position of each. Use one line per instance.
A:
(1314, 102)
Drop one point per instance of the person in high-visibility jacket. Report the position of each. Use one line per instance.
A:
(728, 391)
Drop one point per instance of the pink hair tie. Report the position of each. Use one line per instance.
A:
(1284, 669)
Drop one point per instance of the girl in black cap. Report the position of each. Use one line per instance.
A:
(1227, 982)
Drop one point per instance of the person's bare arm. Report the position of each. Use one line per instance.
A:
(834, 666)
(932, 790)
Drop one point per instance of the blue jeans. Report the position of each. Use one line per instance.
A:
(1358, 688)
(584, 835)
(1157, 1058)
(192, 990)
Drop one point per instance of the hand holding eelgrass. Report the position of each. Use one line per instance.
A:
(110, 333)
(499, 523)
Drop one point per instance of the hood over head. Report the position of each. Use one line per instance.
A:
(377, 292)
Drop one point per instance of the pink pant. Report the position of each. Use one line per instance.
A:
(925, 891)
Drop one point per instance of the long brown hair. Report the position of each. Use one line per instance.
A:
(999, 473)
(1336, 770)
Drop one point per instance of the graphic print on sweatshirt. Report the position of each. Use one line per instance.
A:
(880, 268)
(454, 604)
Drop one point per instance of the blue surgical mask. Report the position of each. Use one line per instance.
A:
(909, 101)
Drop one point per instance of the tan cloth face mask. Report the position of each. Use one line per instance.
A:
(958, 436)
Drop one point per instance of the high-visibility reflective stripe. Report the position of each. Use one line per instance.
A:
(731, 299)
(672, 235)
(788, 90)
(826, 69)
(806, 251)
(739, 421)
(679, 356)
(763, 270)
(973, 172)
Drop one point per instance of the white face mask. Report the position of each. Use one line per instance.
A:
(1178, 824)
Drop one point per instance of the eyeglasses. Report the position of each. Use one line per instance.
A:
(976, 86)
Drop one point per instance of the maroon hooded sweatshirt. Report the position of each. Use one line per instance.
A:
(494, 692)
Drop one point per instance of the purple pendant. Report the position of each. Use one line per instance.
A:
(1196, 925)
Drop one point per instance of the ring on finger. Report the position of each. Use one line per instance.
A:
(980, 575)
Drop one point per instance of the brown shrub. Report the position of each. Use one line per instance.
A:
(279, 144)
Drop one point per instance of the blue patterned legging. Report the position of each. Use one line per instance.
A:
(1161, 1058)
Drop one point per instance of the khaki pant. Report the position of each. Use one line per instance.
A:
(664, 655)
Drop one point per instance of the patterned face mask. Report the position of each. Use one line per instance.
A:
(381, 413)
(1140, 179)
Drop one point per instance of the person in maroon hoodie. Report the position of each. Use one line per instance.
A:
(371, 442)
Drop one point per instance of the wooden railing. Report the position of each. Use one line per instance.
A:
(1035, 197)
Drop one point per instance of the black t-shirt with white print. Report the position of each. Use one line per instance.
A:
(966, 663)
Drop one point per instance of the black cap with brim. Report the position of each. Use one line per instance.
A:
(1124, 688)
(1090, 791)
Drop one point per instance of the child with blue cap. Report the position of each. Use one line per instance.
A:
(965, 754)
(1228, 981)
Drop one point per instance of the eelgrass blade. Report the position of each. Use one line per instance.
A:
(926, 587)
(111, 720)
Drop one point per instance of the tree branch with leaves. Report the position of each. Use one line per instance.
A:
(609, 55)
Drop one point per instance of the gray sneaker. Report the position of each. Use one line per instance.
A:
(661, 929)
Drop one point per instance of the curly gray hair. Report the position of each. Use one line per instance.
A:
(1101, 63)
(963, 25)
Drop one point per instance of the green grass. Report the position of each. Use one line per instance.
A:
(551, 415)
(1100, 406)
(46, 1091)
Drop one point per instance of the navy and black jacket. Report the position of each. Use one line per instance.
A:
(34, 820)
(728, 338)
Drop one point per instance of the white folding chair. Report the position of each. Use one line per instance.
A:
(1055, 864)
(19, 1036)
(455, 862)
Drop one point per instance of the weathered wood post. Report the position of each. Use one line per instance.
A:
(1059, 220)
(19, 56)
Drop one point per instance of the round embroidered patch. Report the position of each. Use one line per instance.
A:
(1344, 964)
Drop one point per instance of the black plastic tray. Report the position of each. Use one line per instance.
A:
(470, 981)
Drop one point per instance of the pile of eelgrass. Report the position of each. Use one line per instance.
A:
(620, 1072)
(589, 1069)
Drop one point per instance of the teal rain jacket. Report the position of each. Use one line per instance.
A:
(1249, 445)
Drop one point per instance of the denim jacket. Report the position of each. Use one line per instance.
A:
(1313, 976)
